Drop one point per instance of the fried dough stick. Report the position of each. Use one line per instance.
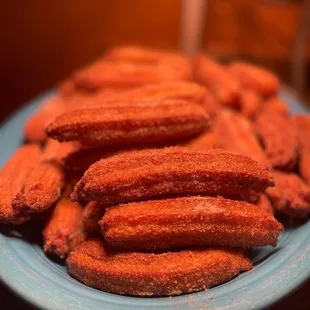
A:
(148, 274)
(64, 228)
(250, 103)
(145, 174)
(265, 204)
(93, 213)
(290, 195)
(158, 122)
(223, 86)
(277, 105)
(132, 68)
(279, 138)
(255, 78)
(44, 184)
(236, 134)
(208, 140)
(12, 178)
(190, 221)
(35, 126)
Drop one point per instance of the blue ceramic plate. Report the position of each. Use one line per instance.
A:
(46, 284)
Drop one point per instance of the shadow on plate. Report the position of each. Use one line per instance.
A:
(260, 254)
(291, 224)
(30, 232)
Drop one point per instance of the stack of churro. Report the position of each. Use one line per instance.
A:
(156, 171)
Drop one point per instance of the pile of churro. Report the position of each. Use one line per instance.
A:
(154, 172)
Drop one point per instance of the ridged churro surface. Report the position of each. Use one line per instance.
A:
(222, 85)
(12, 178)
(93, 213)
(156, 122)
(64, 228)
(250, 103)
(147, 274)
(279, 138)
(145, 174)
(237, 134)
(35, 126)
(152, 225)
(256, 78)
(41, 189)
(290, 195)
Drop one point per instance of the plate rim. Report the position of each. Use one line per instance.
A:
(10, 281)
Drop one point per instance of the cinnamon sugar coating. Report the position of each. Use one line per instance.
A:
(265, 204)
(12, 178)
(92, 214)
(221, 84)
(44, 184)
(250, 103)
(290, 195)
(237, 134)
(152, 225)
(279, 138)
(148, 274)
(158, 121)
(255, 78)
(64, 229)
(141, 175)
(35, 126)
(41, 189)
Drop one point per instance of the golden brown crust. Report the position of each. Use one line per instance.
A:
(187, 222)
(160, 59)
(44, 184)
(35, 126)
(67, 88)
(279, 138)
(146, 274)
(93, 212)
(12, 177)
(175, 90)
(212, 106)
(183, 90)
(275, 104)
(222, 85)
(159, 121)
(64, 229)
(291, 195)
(145, 174)
(81, 159)
(58, 152)
(238, 135)
(208, 140)
(41, 189)
(121, 74)
(136, 54)
(255, 78)
(250, 103)
(265, 204)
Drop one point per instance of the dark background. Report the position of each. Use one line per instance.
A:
(43, 41)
